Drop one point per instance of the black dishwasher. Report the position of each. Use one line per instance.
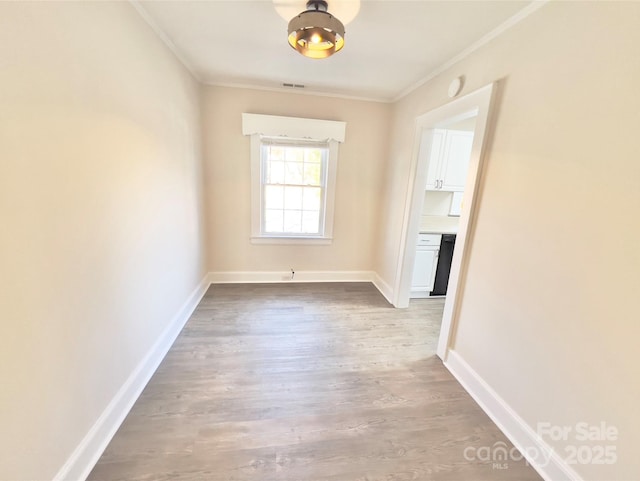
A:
(447, 244)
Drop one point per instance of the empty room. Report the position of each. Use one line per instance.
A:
(342, 240)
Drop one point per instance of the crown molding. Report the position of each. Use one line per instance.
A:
(163, 36)
(496, 32)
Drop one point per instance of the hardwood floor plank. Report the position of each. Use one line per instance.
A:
(304, 382)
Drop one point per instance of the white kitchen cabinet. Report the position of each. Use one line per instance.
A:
(425, 264)
(449, 160)
(433, 167)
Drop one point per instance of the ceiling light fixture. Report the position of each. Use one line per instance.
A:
(315, 33)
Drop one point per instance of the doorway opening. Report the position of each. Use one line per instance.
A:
(435, 185)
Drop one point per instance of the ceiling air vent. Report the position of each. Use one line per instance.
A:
(292, 86)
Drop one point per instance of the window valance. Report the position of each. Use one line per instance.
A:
(293, 127)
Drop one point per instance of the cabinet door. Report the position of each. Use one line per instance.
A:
(424, 269)
(455, 160)
(435, 159)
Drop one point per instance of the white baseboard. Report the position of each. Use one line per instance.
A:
(537, 452)
(252, 277)
(268, 277)
(87, 453)
(383, 287)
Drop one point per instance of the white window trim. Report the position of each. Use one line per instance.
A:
(271, 126)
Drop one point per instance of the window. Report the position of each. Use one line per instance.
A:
(293, 178)
(293, 187)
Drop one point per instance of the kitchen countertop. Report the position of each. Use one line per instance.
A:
(439, 224)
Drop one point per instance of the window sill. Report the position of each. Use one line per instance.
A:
(292, 240)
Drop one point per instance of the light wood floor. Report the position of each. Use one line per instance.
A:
(304, 382)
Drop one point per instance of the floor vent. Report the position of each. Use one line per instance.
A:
(292, 86)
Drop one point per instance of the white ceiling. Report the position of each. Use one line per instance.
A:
(390, 45)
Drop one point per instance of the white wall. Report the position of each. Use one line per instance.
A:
(436, 203)
(100, 201)
(549, 315)
(227, 173)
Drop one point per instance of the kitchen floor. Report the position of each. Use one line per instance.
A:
(305, 382)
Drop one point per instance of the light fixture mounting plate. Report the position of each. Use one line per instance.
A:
(345, 10)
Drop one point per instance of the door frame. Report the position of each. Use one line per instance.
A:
(477, 103)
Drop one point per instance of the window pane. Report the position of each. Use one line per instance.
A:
(312, 174)
(310, 222)
(273, 197)
(273, 220)
(311, 198)
(294, 154)
(293, 198)
(313, 155)
(293, 221)
(276, 153)
(293, 173)
(275, 172)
